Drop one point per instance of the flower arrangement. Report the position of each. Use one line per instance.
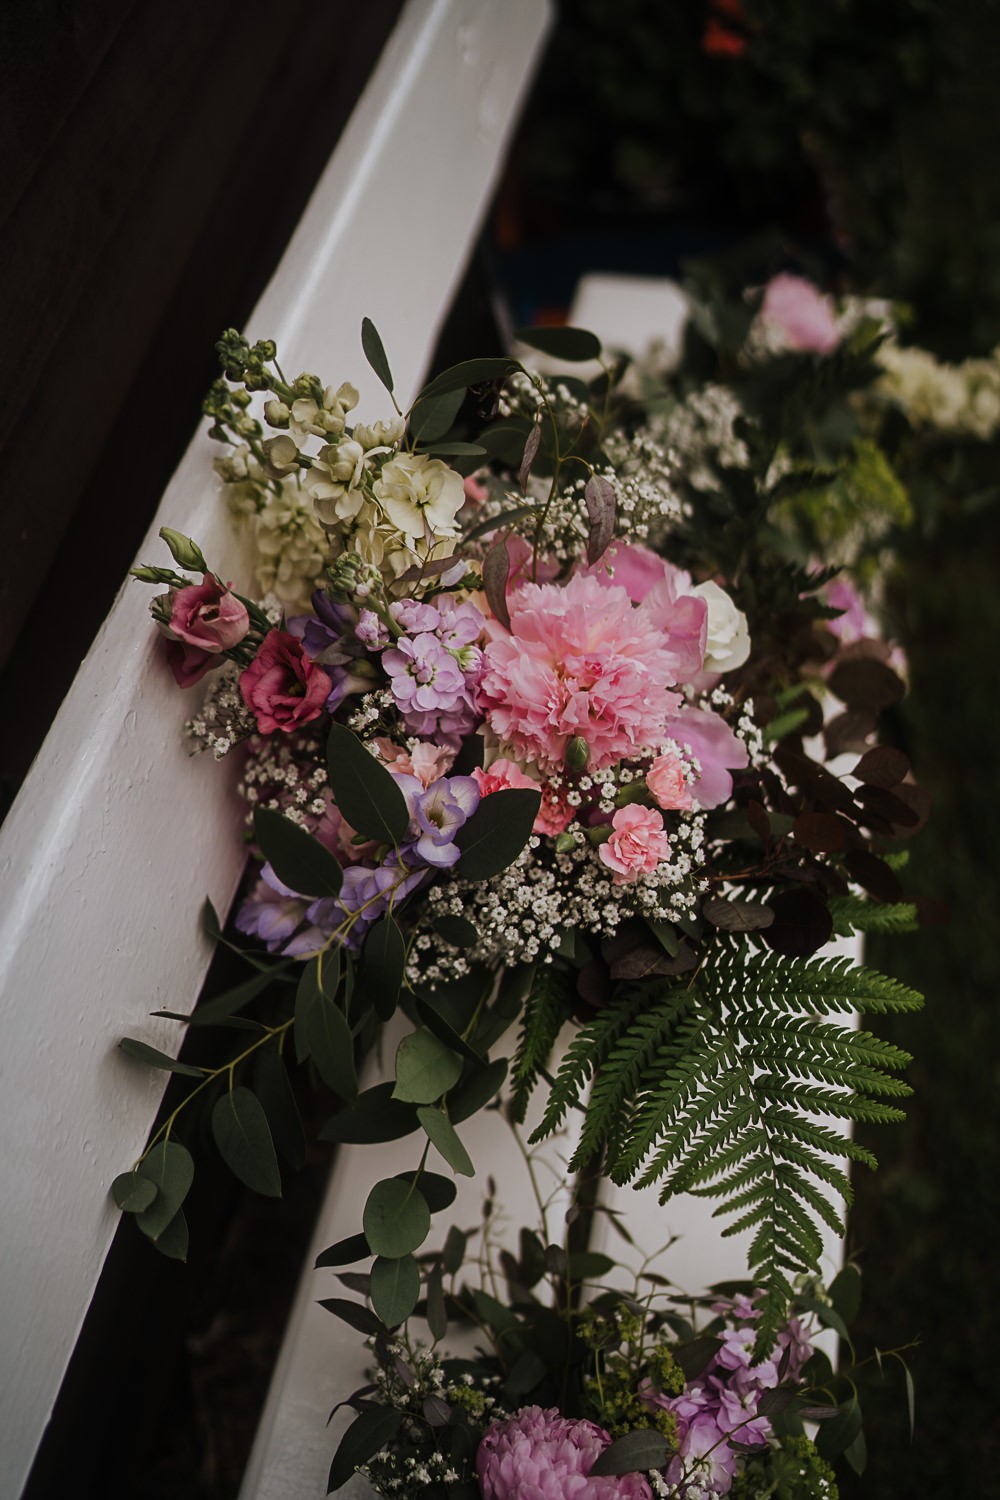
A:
(554, 744)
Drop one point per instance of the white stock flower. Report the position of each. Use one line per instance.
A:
(728, 640)
(334, 481)
(386, 434)
(326, 418)
(420, 494)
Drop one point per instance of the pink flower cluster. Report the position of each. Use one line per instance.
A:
(539, 1455)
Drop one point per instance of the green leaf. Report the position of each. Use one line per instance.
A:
(243, 1137)
(173, 1241)
(572, 344)
(384, 959)
(371, 1431)
(437, 1192)
(475, 1091)
(170, 1168)
(395, 1288)
(374, 1116)
(836, 1436)
(496, 833)
(299, 860)
(643, 1449)
(306, 996)
(443, 1029)
(221, 1007)
(355, 1313)
(331, 1047)
(441, 1133)
(458, 931)
(589, 1265)
(396, 1218)
(133, 1193)
(470, 372)
(375, 353)
(454, 450)
(274, 1090)
(845, 1293)
(497, 523)
(431, 417)
(425, 1068)
(366, 794)
(437, 1311)
(453, 1254)
(157, 1059)
(344, 1252)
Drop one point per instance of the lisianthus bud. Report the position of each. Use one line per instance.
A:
(577, 753)
(186, 553)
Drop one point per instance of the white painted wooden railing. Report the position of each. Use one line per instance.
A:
(118, 835)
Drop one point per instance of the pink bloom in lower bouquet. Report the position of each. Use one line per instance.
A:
(282, 687)
(539, 1455)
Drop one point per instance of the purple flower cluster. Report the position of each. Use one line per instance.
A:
(295, 925)
(722, 1403)
(434, 667)
(328, 639)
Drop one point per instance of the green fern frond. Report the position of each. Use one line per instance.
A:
(853, 914)
(546, 1010)
(589, 1050)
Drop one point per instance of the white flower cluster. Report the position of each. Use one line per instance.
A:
(963, 400)
(223, 719)
(702, 427)
(285, 774)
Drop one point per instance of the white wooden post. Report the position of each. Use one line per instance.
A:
(118, 835)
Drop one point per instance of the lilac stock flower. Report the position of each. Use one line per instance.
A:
(414, 618)
(372, 632)
(705, 1459)
(429, 686)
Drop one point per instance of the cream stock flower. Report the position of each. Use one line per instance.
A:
(326, 418)
(420, 495)
(334, 481)
(386, 434)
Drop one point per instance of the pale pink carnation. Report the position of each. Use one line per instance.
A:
(578, 660)
(554, 815)
(539, 1455)
(637, 843)
(801, 317)
(427, 762)
(665, 779)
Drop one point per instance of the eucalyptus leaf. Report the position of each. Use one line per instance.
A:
(132, 1192)
(243, 1137)
(642, 1449)
(173, 1241)
(454, 450)
(458, 931)
(170, 1168)
(476, 1090)
(331, 1047)
(157, 1059)
(370, 1431)
(396, 1218)
(306, 996)
(221, 1007)
(437, 1311)
(453, 1254)
(344, 1252)
(300, 861)
(444, 1031)
(366, 794)
(437, 1192)
(441, 1132)
(395, 1288)
(274, 1090)
(469, 372)
(375, 353)
(355, 1313)
(496, 833)
(425, 1068)
(575, 345)
(431, 417)
(384, 960)
(374, 1116)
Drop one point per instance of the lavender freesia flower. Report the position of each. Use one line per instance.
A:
(437, 812)
(271, 912)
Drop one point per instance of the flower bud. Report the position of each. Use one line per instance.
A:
(277, 413)
(577, 753)
(565, 842)
(186, 553)
(281, 457)
(635, 791)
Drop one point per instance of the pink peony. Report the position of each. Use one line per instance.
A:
(717, 749)
(539, 1455)
(206, 615)
(802, 318)
(637, 844)
(578, 660)
(282, 687)
(632, 567)
(665, 779)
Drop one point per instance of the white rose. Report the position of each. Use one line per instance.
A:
(728, 640)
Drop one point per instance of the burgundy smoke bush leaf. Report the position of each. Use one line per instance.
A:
(850, 730)
(812, 779)
(882, 766)
(530, 453)
(802, 924)
(736, 916)
(496, 571)
(600, 498)
(873, 875)
(824, 833)
(887, 805)
(866, 684)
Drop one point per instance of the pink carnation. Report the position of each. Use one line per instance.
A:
(801, 316)
(554, 815)
(665, 779)
(282, 687)
(544, 1456)
(637, 843)
(578, 660)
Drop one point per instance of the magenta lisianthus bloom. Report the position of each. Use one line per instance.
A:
(206, 615)
(282, 687)
(637, 843)
(190, 663)
(801, 316)
(715, 747)
(537, 1453)
(578, 660)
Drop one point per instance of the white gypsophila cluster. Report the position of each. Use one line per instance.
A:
(373, 712)
(523, 914)
(284, 774)
(645, 473)
(223, 719)
(527, 395)
(963, 399)
(701, 429)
